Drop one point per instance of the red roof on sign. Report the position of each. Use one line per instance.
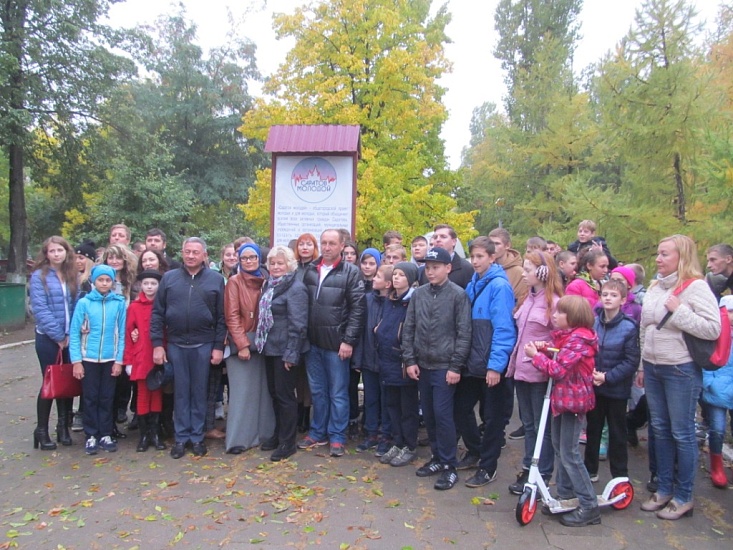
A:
(321, 138)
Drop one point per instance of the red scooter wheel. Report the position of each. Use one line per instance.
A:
(623, 487)
(526, 509)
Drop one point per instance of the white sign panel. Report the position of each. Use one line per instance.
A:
(311, 194)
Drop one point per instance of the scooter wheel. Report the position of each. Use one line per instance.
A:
(623, 487)
(525, 508)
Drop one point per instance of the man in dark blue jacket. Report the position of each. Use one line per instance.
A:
(189, 313)
(336, 320)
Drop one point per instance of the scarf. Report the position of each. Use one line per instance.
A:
(585, 276)
(265, 321)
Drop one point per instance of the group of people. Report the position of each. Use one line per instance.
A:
(430, 338)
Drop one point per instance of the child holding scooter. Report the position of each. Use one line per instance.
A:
(572, 397)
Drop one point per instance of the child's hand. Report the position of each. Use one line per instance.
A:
(116, 369)
(134, 335)
(530, 349)
(78, 371)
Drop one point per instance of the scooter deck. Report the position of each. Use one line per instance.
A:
(568, 505)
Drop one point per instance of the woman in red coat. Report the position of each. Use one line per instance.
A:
(139, 354)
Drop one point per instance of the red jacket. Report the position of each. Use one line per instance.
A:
(139, 354)
(571, 371)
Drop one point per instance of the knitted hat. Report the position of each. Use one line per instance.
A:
(87, 249)
(727, 302)
(374, 253)
(102, 269)
(438, 255)
(410, 271)
(627, 274)
(149, 274)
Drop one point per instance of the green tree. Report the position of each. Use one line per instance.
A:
(55, 65)
(374, 63)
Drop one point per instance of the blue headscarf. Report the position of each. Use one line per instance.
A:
(102, 269)
(374, 253)
(256, 250)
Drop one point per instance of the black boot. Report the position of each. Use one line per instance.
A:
(144, 443)
(154, 431)
(134, 423)
(62, 427)
(580, 517)
(40, 434)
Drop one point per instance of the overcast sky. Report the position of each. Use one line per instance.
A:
(476, 75)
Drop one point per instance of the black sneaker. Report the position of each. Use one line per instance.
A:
(447, 479)
(430, 468)
(480, 478)
(517, 488)
(283, 452)
(269, 444)
(518, 433)
(199, 449)
(467, 462)
(580, 517)
(178, 450)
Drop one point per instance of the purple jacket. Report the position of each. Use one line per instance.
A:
(532, 325)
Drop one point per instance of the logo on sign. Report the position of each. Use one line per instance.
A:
(313, 179)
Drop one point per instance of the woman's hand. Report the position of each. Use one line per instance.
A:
(287, 366)
(639, 379)
(63, 344)
(78, 371)
(244, 354)
(116, 369)
(672, 303)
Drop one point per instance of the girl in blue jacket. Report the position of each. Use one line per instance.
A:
(53, 292)
(717, 393)
(96, 344)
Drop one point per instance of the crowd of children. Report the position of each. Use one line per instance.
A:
(442, 335)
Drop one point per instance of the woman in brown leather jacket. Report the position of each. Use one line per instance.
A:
(250, 419)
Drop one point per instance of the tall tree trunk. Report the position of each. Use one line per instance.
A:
(18, 218)
(681, 203)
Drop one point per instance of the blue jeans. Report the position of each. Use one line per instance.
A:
(530, 397)
(436, 400)
(672, 392)
(716, 433)
(190, 390)
(328, 377)
(572, 478)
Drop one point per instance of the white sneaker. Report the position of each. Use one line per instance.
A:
(219, 411)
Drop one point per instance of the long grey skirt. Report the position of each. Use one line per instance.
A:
(250, 417)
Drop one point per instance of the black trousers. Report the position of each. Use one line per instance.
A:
(403, 407)
(612, 411)
(281, 384)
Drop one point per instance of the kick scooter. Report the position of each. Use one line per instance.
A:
(618, 493)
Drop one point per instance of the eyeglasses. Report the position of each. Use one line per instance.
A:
(248, 258)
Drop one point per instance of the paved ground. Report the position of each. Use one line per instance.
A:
(64, 499)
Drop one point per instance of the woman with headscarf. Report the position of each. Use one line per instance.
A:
(250, 419)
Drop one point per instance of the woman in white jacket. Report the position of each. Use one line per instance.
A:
(671, 379)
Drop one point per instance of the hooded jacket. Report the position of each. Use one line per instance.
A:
(365, 353)
(102, 316)
(618, 354)
(717, 386)
(337, 306)
(533, 325)
(492, 326)
(437, 330)
(388, 338)
(512, 264)
(612, 262)
(571, 370)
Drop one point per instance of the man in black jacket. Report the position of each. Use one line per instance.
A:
(337, 311)
(189, 313)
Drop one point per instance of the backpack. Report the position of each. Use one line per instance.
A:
(707, 354)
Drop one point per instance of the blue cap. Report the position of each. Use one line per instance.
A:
(374, 253)
(102, 269)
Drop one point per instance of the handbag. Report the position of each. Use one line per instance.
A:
(59, 381)
(159, 376)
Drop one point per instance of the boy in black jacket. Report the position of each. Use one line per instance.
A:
(436, 341)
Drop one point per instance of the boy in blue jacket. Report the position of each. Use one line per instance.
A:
(96, 349)
(482, 381)
(616, 363)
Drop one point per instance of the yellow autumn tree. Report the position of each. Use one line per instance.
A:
(374, 63)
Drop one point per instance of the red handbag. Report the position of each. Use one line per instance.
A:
(59, 381)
